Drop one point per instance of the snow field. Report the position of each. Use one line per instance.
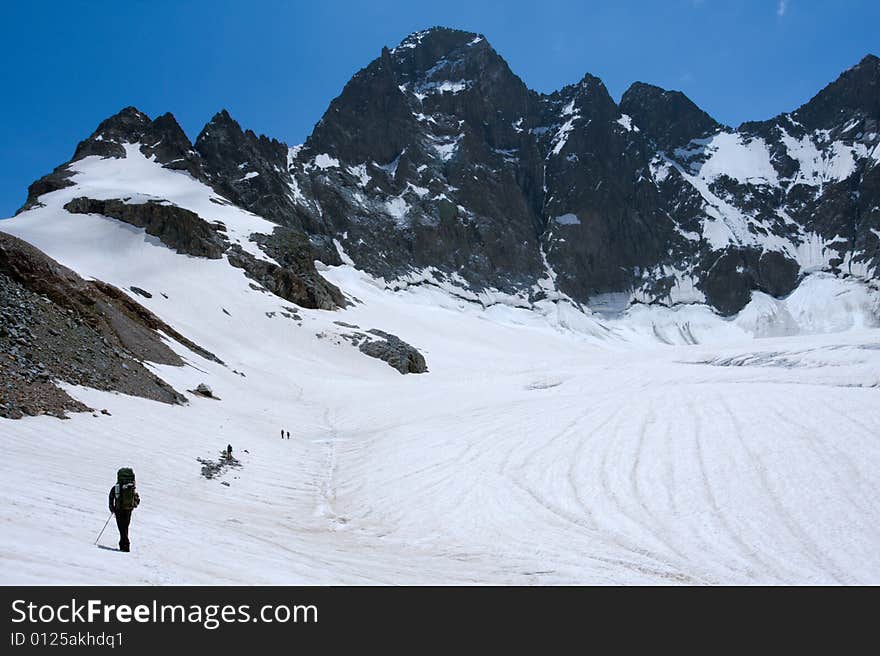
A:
(544, 446)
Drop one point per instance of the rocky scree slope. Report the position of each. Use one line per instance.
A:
(57, 327)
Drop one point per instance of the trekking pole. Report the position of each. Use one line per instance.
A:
(102, 530)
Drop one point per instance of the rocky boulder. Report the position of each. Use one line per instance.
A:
(393, 350)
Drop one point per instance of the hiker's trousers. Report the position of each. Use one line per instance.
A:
(123, 519)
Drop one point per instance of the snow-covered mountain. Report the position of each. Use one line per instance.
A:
(575, 289)
(436, 164)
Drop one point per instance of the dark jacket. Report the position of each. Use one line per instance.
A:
(111, 500)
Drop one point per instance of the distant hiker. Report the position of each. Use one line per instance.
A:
(229, 452)
(282, 433)
(123, 499)
(288, 435)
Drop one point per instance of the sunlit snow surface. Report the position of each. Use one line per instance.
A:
(544, 446)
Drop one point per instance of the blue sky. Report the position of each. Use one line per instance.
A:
(276, 65)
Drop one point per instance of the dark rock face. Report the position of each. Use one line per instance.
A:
(178, 228)
(419, 154)
(166, 141)
(297, 254)
(55, 326)
(26, 366)
(125, 127)
(97, 302)
(393, 350)
(297, 283)
(437, 156)
(736, 272)
(371, 93)
(598, 234)
(54, 181)
(202, 389)
(855, 93)
(247, 169)
(668, 118)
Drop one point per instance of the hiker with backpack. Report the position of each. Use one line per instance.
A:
(123, 499)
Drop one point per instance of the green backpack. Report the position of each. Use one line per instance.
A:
(126, 494)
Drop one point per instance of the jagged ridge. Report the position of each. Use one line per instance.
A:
(437, 158)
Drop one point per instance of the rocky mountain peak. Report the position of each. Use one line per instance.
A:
(128, 118)
(418, 91)
(855, 94)
(166, 141)
(221, 128)
(443, 64)
(126, 126)
(669, 118)
(248, 169)
(162, 139)
(438, 51)
(369, 121)
(222, 120)
(422, 50)
(586, 100)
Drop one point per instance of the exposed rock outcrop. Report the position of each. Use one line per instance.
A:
(303, 286)
(54, 181)
(244, 168)
(393, 350)
(178, 228)
(736, 272)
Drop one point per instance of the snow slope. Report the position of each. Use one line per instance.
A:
(665, 445)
